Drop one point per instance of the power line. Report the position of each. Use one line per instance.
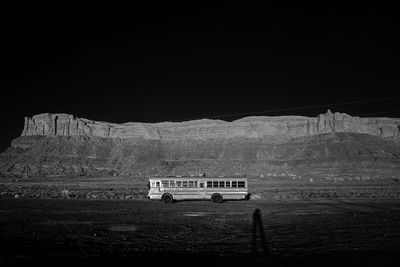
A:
(300, 108)
(377, 113)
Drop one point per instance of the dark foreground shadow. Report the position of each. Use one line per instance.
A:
(260, 255)
(260, 251)
(367, 258)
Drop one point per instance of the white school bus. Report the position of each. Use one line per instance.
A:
(216, 189)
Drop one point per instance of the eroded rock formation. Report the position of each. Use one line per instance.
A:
(60, 144)
(250, 127)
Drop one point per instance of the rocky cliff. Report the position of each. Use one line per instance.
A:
(250, 127)
(60, 144)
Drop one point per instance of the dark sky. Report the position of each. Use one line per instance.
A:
(176, 62)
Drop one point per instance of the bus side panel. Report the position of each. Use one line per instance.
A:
(234, 196)
(185, 193)
(156, 196)
(227, 193)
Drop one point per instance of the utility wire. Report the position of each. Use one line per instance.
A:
(378, 113)
(300, 108)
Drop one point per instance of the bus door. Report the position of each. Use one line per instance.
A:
(164, 184)
(157, 185)
(202, 190)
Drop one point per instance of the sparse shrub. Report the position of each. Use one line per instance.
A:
(64, 193)
(255, 197)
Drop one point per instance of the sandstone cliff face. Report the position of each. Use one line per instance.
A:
(278, 128)
(60, 144)
(66, 125)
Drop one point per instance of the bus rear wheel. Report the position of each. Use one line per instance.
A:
(217, 198)
(167, 198)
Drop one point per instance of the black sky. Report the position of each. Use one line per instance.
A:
(176, 62)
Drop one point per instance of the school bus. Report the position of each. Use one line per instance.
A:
(216, 189)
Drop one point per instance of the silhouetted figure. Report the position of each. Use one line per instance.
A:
(257, 223)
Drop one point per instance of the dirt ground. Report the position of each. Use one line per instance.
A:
(310, 232)
(266, 188)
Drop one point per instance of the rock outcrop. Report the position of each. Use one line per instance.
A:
(60, 144)
(282, 127)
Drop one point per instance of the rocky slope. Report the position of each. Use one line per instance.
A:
(59, 144)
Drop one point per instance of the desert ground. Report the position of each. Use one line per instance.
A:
(348, 223)
(276, 186)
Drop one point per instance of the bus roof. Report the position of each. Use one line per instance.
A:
(197, 177)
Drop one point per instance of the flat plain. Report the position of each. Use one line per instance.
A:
(64, 232)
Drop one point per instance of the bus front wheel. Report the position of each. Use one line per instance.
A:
(167, 198)
(217, 198)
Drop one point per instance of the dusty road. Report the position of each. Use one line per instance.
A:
(59, 231)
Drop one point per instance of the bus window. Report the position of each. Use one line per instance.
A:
(241, 184)
(201, 185)
(195, 183)
(215, 184)
(221, 184)
(234, 184)
(158, 184)
(165, 183)
(228, 183)
(178, 183)
(153, 184)
(191, 183)
(209, 184)
(171, 183)
(184, 184)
